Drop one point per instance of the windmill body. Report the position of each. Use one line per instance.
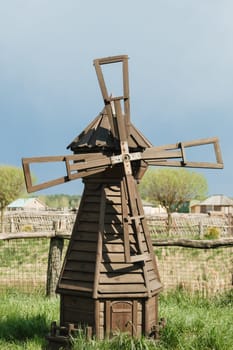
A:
(109, 280)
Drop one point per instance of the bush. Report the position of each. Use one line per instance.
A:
(212, 233)
(27, 228)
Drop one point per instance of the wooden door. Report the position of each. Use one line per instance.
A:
(121, 316)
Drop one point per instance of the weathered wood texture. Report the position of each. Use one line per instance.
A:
(54, 264)
(194, 243)
(97, 269)
(97, 247)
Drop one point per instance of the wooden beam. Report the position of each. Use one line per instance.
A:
(192, 243)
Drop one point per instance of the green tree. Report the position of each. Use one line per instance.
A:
(172, 188)
(12, 186)
(58, 201)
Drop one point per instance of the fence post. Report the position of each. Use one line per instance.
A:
(12, 225)
(54, 261)
(201, 229)
(230, 224)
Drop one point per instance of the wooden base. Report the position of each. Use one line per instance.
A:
(103, 318)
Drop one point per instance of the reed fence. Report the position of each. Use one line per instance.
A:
(32, 250)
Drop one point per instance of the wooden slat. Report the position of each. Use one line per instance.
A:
(120, 268)
(170, 163)
(122, 288)
(152, 275)
(113, 209)
(89, 217)
(80, 303)
(80, 266)
(113, 219)
(78, 286)
(113, 228)
(118, 238)
(93, 217)
(104, 91)
(108, 257)
(83, 246)
(83, 227)
(92, 207)
(155, 285)
(81, 256)
(113, 248)
(77, 317)
(86, 236)
(112, 278)
(150, 266)
(126, 95)
(92, 199)
(113, 238)
(112, 191)
(111, 59)
(78, 276)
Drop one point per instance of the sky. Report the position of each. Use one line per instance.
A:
(180, 68)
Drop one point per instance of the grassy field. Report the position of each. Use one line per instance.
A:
(193, 323)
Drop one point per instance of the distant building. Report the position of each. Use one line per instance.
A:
(27, 204)
(150, 209)
(215, 204)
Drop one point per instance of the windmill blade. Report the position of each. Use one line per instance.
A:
(77, 166)
(159, 156)
(107, 96)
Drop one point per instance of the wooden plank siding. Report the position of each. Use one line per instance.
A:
(115, 276)
(98, 286)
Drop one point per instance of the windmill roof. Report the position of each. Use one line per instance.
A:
(218, 200)
(98, 135)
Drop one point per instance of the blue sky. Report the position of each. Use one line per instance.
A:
(181, 74)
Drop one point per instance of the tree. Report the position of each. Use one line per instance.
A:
(12, 185)
(59, 201)
(171, 188)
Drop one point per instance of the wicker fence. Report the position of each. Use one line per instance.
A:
(24, 261)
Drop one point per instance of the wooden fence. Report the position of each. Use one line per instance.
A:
(33, 259)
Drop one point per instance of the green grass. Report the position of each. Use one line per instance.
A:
(197, 323)
(25, 319)
(23, 251)
(192, 323)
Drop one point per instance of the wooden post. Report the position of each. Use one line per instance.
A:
(12, 225)
(230, 224)
(200, 229)
(54, 263)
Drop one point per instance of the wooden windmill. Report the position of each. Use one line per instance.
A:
(109, 280)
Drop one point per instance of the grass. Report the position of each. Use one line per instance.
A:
(197, 323)
(30, 250)
(192, 323)
(25, 319)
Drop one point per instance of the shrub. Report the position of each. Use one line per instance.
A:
(27, 228)
(212, 233)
